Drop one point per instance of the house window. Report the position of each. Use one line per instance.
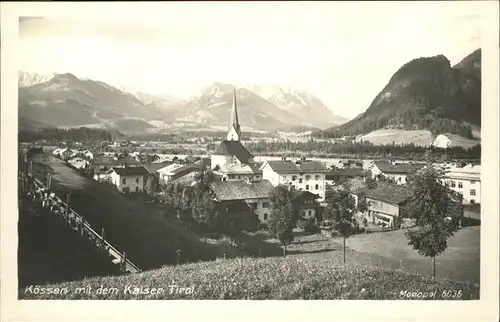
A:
(308, 177)
(453, 184)
(124, 181)
(300, 180)
(294, 178)
(283, 178)
(137, 180)
(307, 187)
(137, 188)
(265, 216)
(265, 204)
(316, 177)
(472, 181)
(316, 187)
(303, 213)
(472, 201)
(310, 213)
(447, 184)
(472, 192)
(460, 185)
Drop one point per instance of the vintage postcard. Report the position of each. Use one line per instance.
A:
(343, 155)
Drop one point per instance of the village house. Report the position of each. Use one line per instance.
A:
(66, 153)
(302, 175)
(344, 164)
(246, 194)
(466, 181)
(128, 180)
(176, 171)
(306, 204)
(101, 164)
(78, 162)
(231, 160)
(385, 205)
(339, 176)
(391, 170)
(153, 179)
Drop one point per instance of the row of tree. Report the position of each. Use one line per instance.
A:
(81, 134)
(359, 149)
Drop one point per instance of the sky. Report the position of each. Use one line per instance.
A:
(343, 53)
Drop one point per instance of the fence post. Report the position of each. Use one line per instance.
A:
(49, 179)
(103, 247)
(124, 263)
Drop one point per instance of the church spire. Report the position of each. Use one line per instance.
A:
(234, 133)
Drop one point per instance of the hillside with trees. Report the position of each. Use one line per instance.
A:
(424, 94)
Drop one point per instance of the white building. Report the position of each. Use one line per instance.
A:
(78, 162)
(396, 171)
(465, 180)
(128, 180)
(303, 175)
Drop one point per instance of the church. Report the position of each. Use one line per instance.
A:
(231, 160)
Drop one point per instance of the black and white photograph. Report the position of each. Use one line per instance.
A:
(253, 151)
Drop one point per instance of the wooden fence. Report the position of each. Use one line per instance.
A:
(41, 193)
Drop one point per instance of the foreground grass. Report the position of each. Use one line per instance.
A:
(305, 277)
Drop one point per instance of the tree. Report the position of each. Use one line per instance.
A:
(203, 208)
(436, 209)
(341, 209)
(282, 219)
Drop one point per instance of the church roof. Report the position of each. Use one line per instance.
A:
(233, 148)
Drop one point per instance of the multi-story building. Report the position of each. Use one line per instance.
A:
(396, 171)
(465, 180)
(128, 180)
(301, 175)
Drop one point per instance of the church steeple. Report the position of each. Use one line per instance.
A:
(234, 132)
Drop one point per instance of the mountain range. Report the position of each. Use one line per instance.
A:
(425, 94)
(64, 100)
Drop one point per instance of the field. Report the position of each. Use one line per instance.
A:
(304, 277)
(144, 232)
(418, 137)
(460, 261)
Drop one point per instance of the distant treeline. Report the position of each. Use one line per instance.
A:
(180, 137)
(81, 134)
(359, 149)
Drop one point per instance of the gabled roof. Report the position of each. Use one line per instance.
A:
(292, 167)
(241, 190)
(134, 171)
(154, 167)
(233, 148)
(348, 172)
(251, 168)
(403, 168)
(104, 160)
(304, 194)
(127, 160)
(392, 195)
